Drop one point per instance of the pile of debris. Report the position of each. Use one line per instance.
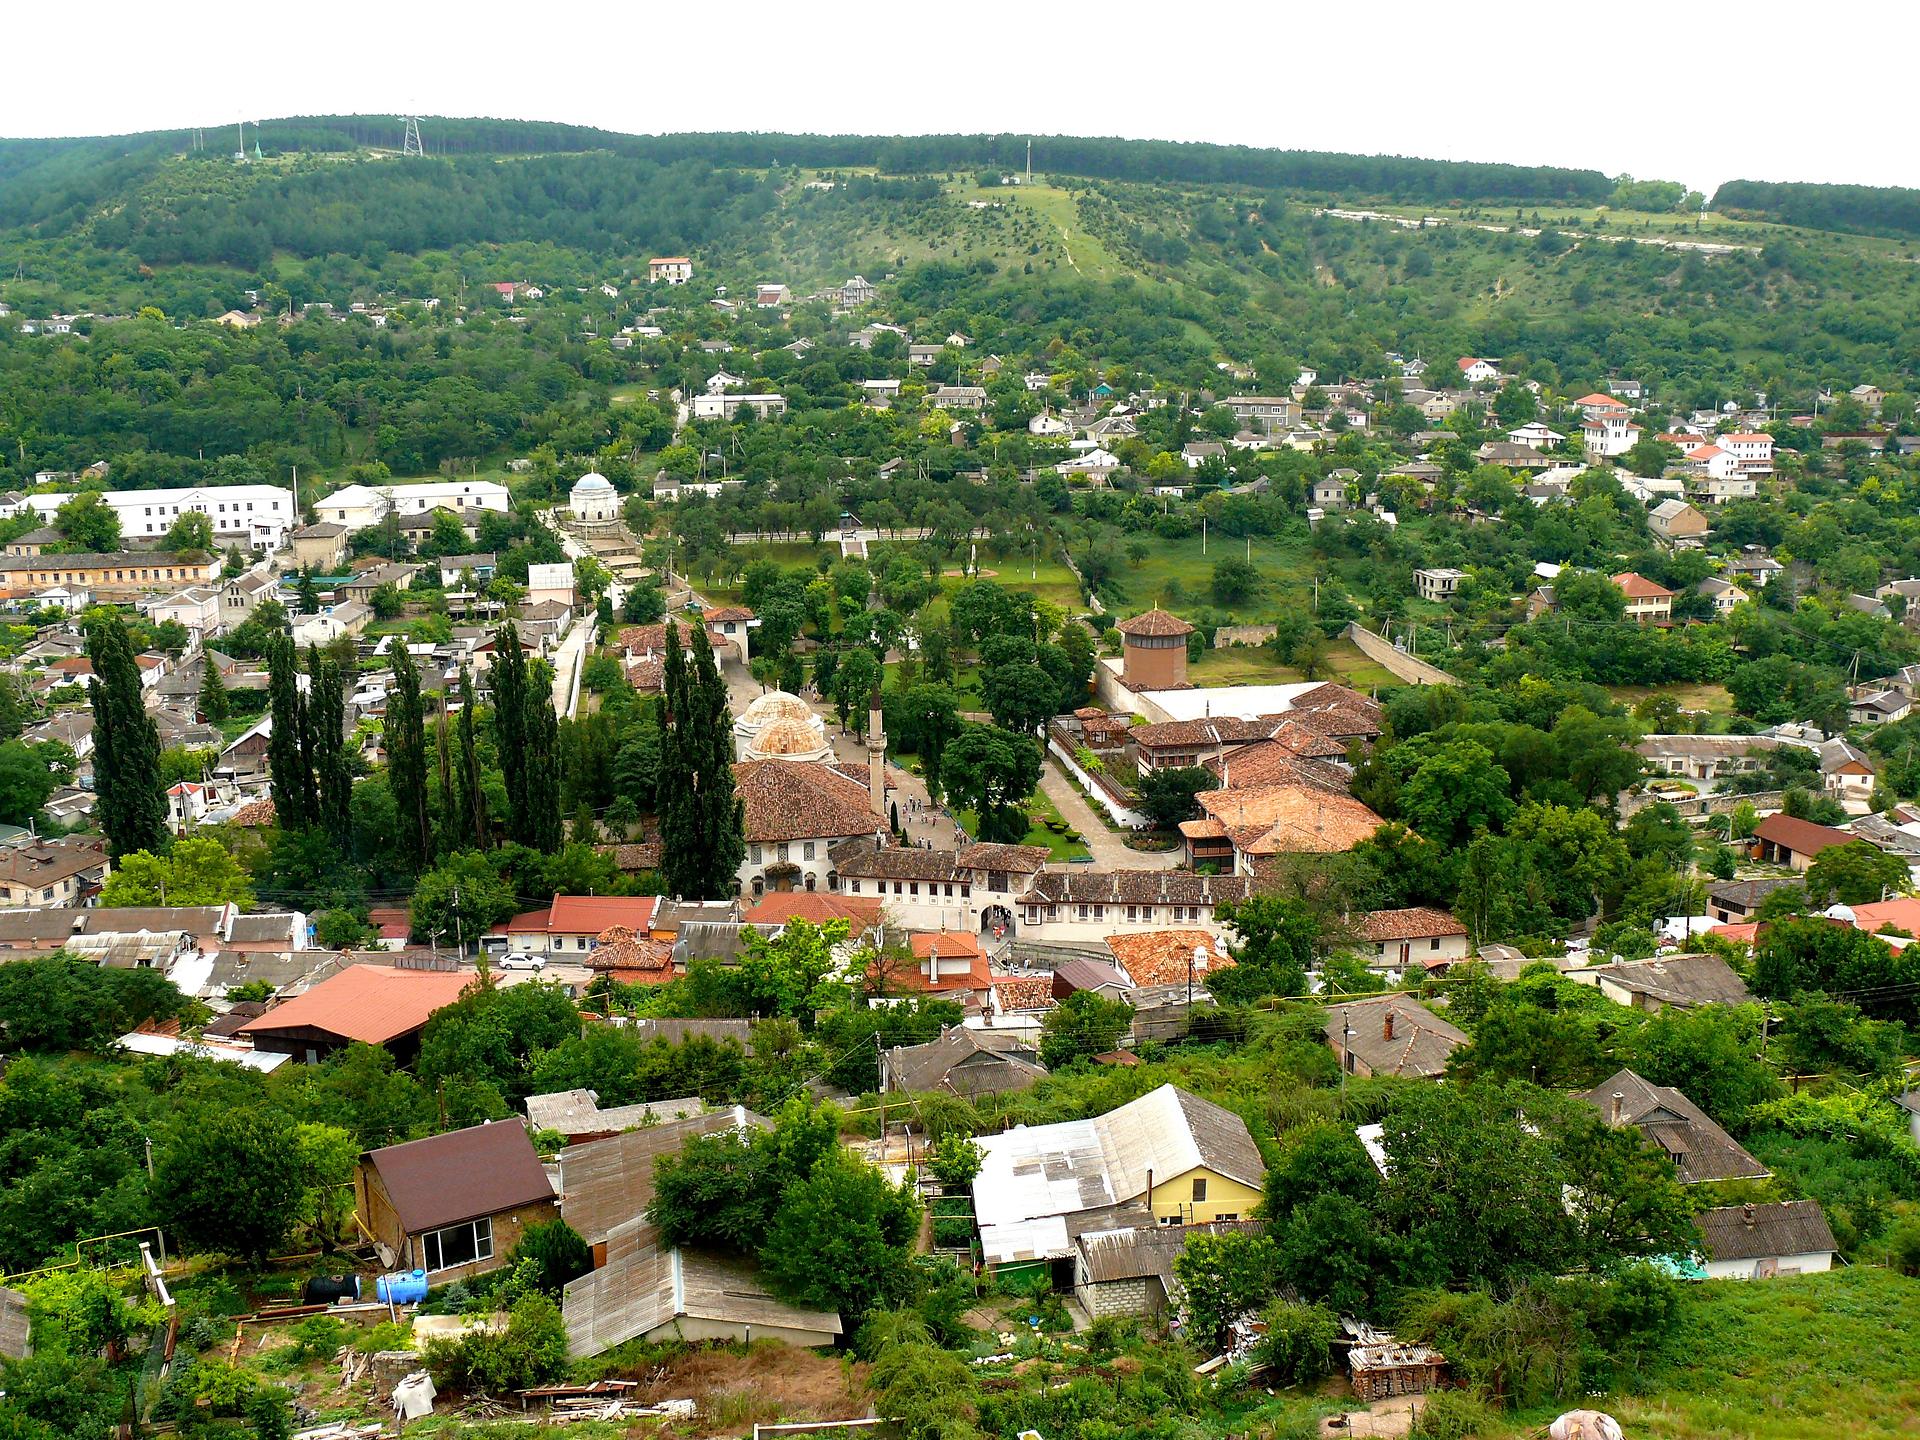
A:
(602, 1400)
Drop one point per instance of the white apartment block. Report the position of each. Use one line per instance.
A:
(358, 507)
(257, 516)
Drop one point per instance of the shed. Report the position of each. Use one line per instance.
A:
(1379, 1372)
(456, 1204)
(1130, 1271)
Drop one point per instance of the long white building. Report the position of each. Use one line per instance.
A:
(257, 516)
(360, 506)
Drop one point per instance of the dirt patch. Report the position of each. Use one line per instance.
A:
(961, 574)
(1382, 1420)
(767, 1383)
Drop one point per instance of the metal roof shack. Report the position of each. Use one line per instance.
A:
(1379, 1372)
(609, 1184)
(577, 1115)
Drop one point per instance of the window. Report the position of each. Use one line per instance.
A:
(1199, 1189)
(913, 888)
(1133, 912)
(756, 854)
(457, 1244)
(1434, 944)
(784, 850)
(806, 851)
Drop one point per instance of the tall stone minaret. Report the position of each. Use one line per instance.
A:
(876, 756)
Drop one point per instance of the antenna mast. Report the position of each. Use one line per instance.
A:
(410, 144)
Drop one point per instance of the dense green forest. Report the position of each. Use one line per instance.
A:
(1860, 209)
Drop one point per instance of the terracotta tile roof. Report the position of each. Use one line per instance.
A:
(652, 639)
(1161, 957)
(1269, 762)
(1023, 992)
(1154, 622)
(1290, 819)
(1638, 587)
(800, 800)
(254, 814)
(951, 945)
(637, 960)
(48, 860)
(817, 907)
(1171, 734)
(1415, 923)
(1339, 721)
(462, 1175)
(370, 1003)
(727, 612)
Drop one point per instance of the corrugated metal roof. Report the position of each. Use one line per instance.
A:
(645, 1285)
(578, 1112)
(371, 1003)
(1148, 1250)
(609, 1183)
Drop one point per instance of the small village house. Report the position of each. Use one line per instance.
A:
(454, 1205)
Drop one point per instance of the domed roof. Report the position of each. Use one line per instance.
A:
(788, 737)
(776, 705)
(593, 483)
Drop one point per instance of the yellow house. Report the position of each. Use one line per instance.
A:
(1168, 1158)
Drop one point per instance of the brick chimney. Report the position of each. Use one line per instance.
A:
(1386, 1025)
(1746, 1215)
(1618, 1109)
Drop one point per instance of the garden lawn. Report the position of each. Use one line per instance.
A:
(1256, 665)
(1040, 810)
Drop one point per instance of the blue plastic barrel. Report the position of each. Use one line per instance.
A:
(404, 1287)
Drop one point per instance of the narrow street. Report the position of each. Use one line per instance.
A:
(1108, 848)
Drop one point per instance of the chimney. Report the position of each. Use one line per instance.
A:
(1746, 1214)
(1386, 1025)
(1619, 1107)
(1199, 959)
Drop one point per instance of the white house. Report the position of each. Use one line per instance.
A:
(1534, 434)
(359, 507)
(670, 269)
(1752, 449)
(1609, 434)
(725, 407)
(722, 381)
(1476, 371)
(1048, 426)
(258, 516)
(1091, 462)
(550, 582)
(1759, 1242)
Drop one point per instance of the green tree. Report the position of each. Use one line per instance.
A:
(194, 872)
(1855, 873)
(58, 1003)
(1081, 1026)
(1298, 1345)
(1021, 696)
(494, 1038)
(406, 746)
(232, 1181)
(1166, 795)
(460, 900)
(191, 532)
(1710, 1054)
(1225, 1276)
(992, 773)
(215, 704)
(289, 754)
(88, 525)
(326, 716)
(1457, 790)
(557, 1253)
(1236, 582)
(132, 802)
(28, 775)
(1277, 939)
(702, 820)
(841, 1239)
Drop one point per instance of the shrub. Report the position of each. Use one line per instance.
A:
(955, 1160)
(1452, 1415)
(557, 1253)
(318, 1337)
(1298, 1345)
(530, 1351)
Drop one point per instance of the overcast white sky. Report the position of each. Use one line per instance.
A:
(1693, 90)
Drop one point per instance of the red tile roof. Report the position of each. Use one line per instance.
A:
(1802, 837)
(801, 800)
(1024, 992)
(1161, 957)
(1638, 587)
(371, 1003)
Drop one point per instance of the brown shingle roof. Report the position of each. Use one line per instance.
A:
(1020, 859)
(1290, 819)
(462, 1175)
(861, 859)
(1700, 1150)
(1680, 980)
(1802, 837)
(1154, 622)
(800, 800)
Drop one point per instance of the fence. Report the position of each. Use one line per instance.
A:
(1695, 807)
(1408, 667)
(1104, 793)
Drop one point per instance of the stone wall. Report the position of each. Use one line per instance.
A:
(1383, 651)
(1243, 635)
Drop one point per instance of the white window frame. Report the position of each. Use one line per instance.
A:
(433, 1247)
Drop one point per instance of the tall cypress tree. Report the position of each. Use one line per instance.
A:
(701, 818)
(509, 682)
(406, 736)
(327, 745)
(289, 747)
(215, 703)
(470, 780)
(543, 771)
(126, 745)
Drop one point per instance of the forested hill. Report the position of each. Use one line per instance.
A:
(1857, 209)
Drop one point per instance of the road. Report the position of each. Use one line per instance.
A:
(571, 653)
(1109, 850)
